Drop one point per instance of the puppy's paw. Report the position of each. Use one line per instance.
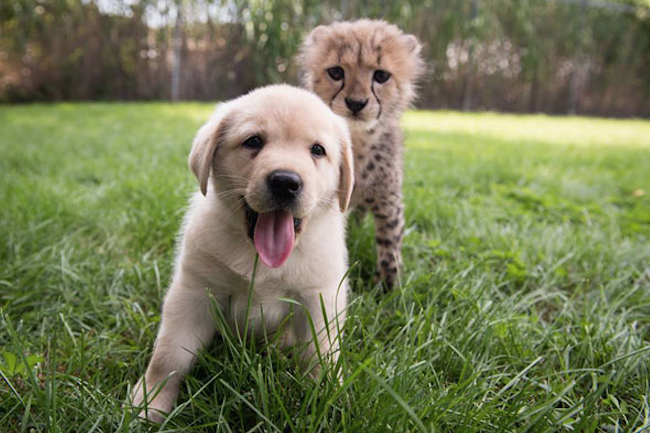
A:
(153, 415)
(159, 402)
(328, 372)
(155, 411)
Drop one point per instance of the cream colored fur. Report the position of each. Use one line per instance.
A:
(216, 256)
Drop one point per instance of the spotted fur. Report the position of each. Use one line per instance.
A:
(362, 48)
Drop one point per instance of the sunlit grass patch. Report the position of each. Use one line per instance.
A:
(524, 302)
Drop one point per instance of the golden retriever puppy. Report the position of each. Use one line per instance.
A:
(275, 172)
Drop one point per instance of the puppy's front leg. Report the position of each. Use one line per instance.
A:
(187, 324)
(327, 312)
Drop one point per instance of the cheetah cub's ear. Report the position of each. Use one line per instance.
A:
(412, 44)
(317, 34)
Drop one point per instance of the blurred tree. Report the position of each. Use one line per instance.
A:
(177, 51)
(515, 55)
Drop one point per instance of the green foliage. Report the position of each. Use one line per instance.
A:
(515, 55)
(13, 366)
(524, 303)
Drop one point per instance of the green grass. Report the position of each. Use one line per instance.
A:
(524, 302)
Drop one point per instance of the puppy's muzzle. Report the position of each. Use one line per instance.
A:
(285, 187)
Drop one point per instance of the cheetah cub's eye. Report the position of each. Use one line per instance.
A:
(381, 76)
(318, 150)
(336, 73)
(254, 143)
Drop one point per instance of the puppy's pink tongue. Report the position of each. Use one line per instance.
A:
(274, 237)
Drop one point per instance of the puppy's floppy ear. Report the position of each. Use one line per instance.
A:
(205, 146)
(346, 179)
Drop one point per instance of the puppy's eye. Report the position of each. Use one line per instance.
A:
(336, 73)
(255, 142)
(381, 76)
(318, 150)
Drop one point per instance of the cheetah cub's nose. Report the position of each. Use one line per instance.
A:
(355, 105)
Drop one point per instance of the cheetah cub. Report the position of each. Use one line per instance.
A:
(366, 71)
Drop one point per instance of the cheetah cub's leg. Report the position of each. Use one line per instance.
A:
(389, 227)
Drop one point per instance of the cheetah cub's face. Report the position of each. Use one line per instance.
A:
(365, 70)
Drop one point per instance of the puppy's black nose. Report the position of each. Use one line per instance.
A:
(285, 186)
(355, 105)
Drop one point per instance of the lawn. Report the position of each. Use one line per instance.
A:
(524, 303)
